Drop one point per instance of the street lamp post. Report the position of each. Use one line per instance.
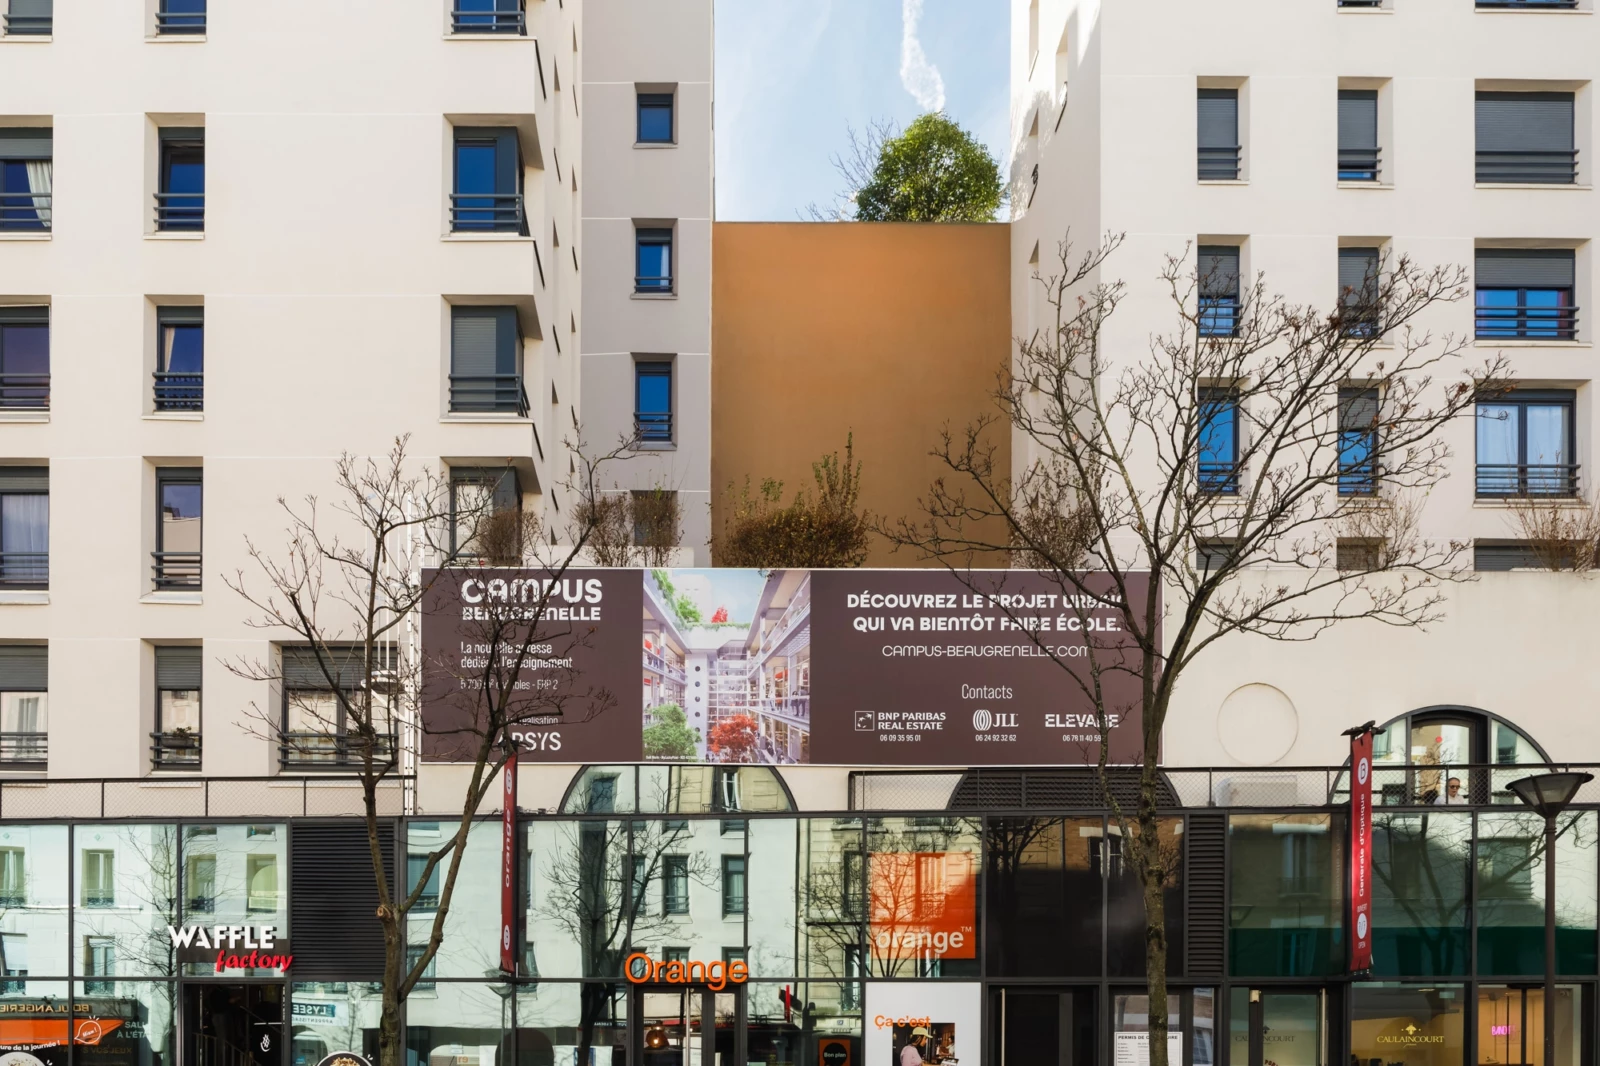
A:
(1549, 795)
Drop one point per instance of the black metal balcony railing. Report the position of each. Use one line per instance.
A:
(1219, 316)
(27, 25)
(488, 393)
(652, 283)
(179, 391)
(23, 211)
(653, 427)
(1569, 4)
(1527, 479)
(176, 570)
(175, 751)
(1358, 479)
(190, 22)
(1527, 322)
(1360, 3)
(1219, 163)
(468, 21)
(24, 570)
(1360, 320)
(477, 212)
(1359, 164)
(1518, 167)
(28, 391)
(315, 751)
(180, 211)
(27, 749)
(1221, 478)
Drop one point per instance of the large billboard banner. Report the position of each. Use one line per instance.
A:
(843, 667)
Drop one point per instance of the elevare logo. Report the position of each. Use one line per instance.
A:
(984, 720)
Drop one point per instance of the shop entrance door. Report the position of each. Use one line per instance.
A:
(232, 1024)
(1284, 1027)
(687, 1025)
(1043, 1026)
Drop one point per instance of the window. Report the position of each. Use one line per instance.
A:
(181, 199)
(1526, 293)
(478, 494)
(1502, 555)
(261, 884)
(178, 515)
(428, 898)
(1526, 139)
(1357, 553)
(850, 991)
(486, 362)
(1359, 292)
(1218, 267)
(652, 402)
(200, 884)
(100, 956)
(602, 794)
(855, 884)
(177, 735)
(25, 172)
(14, 963)
(675, 884)
(639, 879)
(25, 357)
(1358, 442)
(655, 118)
(653, 260)
(99, 878)
(13, 877)
(30, 17)
(180, 358)
(1219, 441)
(426, 982)
(733, 884)
(1358, 135)
(1219, 134)
(488, 16)
(488, 182)
(674, 954)
(181, 17)
(317, 728)
(24, 703)
(1526, 445)
(24, 527)
(1213, 553)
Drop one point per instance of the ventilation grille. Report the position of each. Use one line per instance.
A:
(1052, 789)
(1205, 871)
(333, 902)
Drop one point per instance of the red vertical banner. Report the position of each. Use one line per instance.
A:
(1361, 851)
(508, 869)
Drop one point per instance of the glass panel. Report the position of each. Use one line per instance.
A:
(1125, 925)
(1291, 1025)
(833, 906)
(1499, 426)
(771, 898)
(922, 890)
(129, 1023)
(1044, 896)
(472, 928)
(572, 1023)
(33, 902)
(1287, 880)
(1218, 439)
(580, 910)
(129, 896)
(1544, 314)
(655, 119)
(1497, 313)
(25, 712)
(461, 1024)
(1409, 1025)
(180, 517)
(36, 1018)
(183, 348)
(239, 874)
(1511, 1025)
(774, 1033)
(1511, 896)
(329, 1017)
(1419, 907)
(1130, 1023)
(1547, 446)
(25, 527)
(25, 349)
(180, 710)
(1442, 745)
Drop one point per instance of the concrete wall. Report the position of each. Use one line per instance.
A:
(888, 331)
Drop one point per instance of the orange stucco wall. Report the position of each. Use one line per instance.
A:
(886, 330)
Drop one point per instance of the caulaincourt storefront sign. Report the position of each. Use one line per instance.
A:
(843, 667)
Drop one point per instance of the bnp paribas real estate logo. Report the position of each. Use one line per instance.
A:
(984, 720)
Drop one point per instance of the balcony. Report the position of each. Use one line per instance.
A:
(25, 392)
(1220, 163)
(1219, 478)
(23, 212)
(1517, 167)
(179, 391)
(180, 212)
(322, 751)
(176, 570)
(488, 394)
(476, 212)
(653, 427)
(175, 751)
(1523, 321)
(470, 20)
(24, 570)
(1523, 480)
(1359, 164)
(24, 750)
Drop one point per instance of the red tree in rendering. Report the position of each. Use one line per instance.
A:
(734, 738)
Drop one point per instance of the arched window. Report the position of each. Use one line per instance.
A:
(675, 788)
(1447, 754)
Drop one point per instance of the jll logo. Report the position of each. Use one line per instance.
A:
(983, 720)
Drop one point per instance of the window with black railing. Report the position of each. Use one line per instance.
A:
(25, 358)
(1358, 442)
(181, 17)
(1531, 5)
(652, 402)
(331, 718)
(1217, 272)
(1218, 446)
(1525, 444)
(175, 744)
(1526, 138)
(24, 527)
(487, 193)
(180, 359)
(479, 495)
(176, 560)
(1360, 292)
(1525, 294)
(24, 705)
(486, 362)
(181, 192)
(1219, 148)
(29, 18)
(1360, 3)
(489, 16)
(26, 179)
(1359, 156)
(652, 260)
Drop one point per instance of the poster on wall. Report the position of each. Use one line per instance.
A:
(915, 1022)
(1133, 1049)
(841, 667)
(921, 905)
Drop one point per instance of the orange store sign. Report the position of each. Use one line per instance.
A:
(922, 904)
(643, 970)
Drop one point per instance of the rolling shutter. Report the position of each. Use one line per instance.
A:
(483, 341)
(25, 479)
(1219, 118)
(1358, 273)
(302, 670)
(1205, 900)
(24, 667)
(1358, 118)
(1525, 268)
(1219, 270)
(1525, 122)
(332, 900)
(1504, 557)
(26, 142)
(178, 669)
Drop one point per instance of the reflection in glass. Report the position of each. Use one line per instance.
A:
(463, 1024)
(1043, 896)
(564, 1023)
(1416, 1025)
(1125, 923)
(128, 1025)
(36, 1018)
(1287, 894)
(235, 875)
(921, 903)
(328, 1017)
(1511, 897)
(128, 894)
(470, 947)
(1511, 1025)
(1419, 905)
(33, 902)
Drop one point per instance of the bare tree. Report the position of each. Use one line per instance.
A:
(349, 588)
(1122, 473)
(641, 528)
(855, 166)
(1561, 534)
(826, 527)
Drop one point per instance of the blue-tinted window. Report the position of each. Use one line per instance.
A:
(653, 267)
(1358, 441)
(1534, 313)
(25, 194)
(1217, 270)
(180, 359)
(655, 118)
(1219, 440)
(181, 16)
(652, 403)
(181, 201)
(1526, 443)
(489, 16)
(488, 170)
(25, 363)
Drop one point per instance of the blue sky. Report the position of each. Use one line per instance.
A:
(793, 75)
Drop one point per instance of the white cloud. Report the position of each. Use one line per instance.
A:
(920, 77)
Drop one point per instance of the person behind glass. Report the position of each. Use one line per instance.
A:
(1451, 794)
(911, 1054)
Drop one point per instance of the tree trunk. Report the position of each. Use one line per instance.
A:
(1152, 869)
